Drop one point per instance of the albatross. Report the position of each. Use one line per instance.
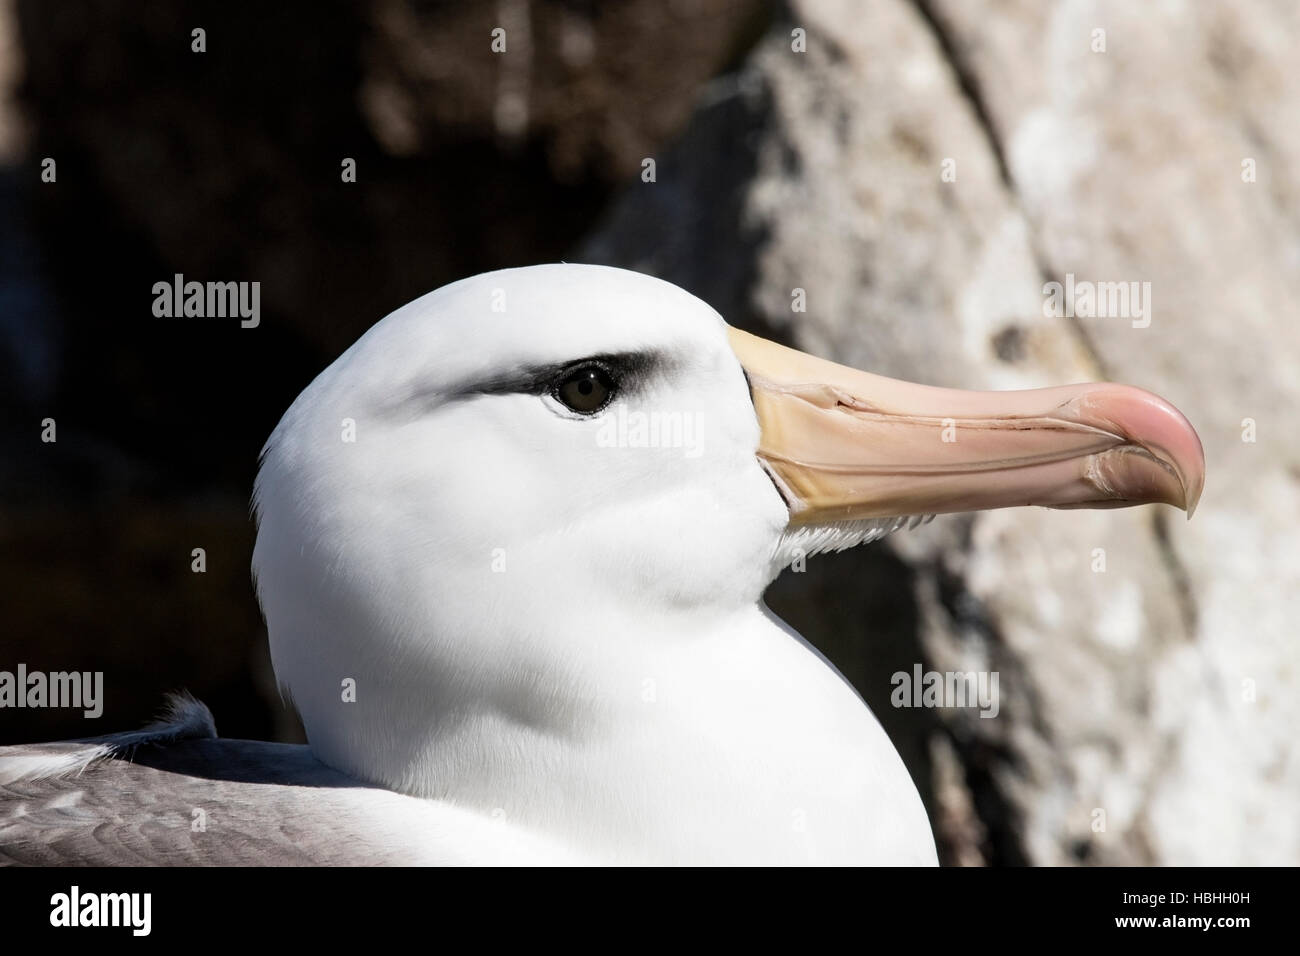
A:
(512, 548)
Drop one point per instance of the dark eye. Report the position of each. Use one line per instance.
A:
(586, 389)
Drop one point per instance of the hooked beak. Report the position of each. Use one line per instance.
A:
(842, 444)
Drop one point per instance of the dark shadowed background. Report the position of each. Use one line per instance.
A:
(1161, 690)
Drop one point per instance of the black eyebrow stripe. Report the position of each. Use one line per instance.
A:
(627, 367)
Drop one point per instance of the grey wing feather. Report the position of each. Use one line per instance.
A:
(185, 797)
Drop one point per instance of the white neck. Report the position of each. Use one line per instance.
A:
(732, 744)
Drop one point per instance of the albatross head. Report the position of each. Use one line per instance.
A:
(519, 504)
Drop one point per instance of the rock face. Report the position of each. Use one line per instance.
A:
(922, 172)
